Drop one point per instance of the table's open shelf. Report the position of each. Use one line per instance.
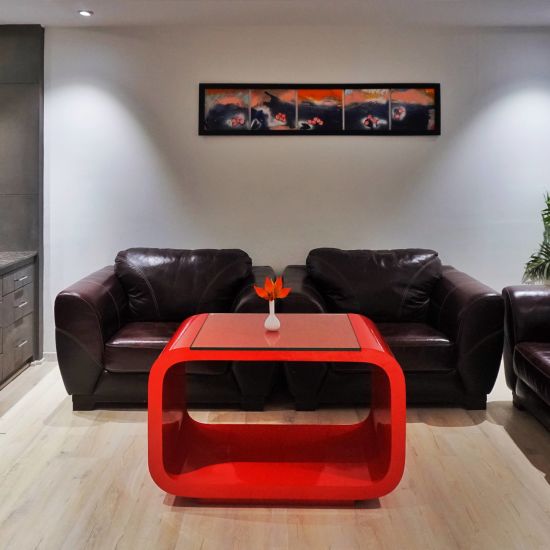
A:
(247, 461)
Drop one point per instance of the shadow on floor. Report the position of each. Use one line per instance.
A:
(445, 417)
(64, 416)
(530, 436)
(180, 502)
(18, 387)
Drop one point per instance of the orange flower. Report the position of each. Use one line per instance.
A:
(272, 289)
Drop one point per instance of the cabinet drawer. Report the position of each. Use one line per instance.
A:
(7, 315)
(22, 353)
(16, 304)
(23, 301)
(18, 344)
(7, 361)
(16, 279)
(22, 329)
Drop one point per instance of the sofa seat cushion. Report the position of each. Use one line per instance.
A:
(171, 285)
(384, 285)
(134, 348)
(532, 365)
(417, 347)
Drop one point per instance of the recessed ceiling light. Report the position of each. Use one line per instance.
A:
(86, 13)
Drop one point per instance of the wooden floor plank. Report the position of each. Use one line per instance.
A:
(473, 479)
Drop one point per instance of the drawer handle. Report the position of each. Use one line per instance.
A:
(24, 278)
(22, 304)
(22, 343)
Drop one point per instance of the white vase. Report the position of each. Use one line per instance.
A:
(271, 322)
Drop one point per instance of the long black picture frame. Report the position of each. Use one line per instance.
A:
(398, 94)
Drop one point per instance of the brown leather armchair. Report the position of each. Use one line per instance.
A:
(444, 327)
(527, 348)
(113, 324)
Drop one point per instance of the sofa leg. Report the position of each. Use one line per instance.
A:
(83, 403)
(253, 403)
(517, 403)
(255, 380)
(305, 381)
(306, 404)
(476, 403)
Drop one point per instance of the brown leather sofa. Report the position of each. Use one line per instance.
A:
(444, 327)
(112, 325)
(527, 348)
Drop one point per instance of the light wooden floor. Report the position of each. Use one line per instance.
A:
(473, 480)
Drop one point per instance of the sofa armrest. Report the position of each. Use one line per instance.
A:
(247, 301)
(304, 297)
(87, 314)
(471, 314)
(526, 319)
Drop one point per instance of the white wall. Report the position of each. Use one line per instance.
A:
(124, 165)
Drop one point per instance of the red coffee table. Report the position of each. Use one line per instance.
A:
(266, 462)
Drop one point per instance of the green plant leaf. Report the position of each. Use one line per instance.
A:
(537, 268)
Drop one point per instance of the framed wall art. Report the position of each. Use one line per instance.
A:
(320, 109)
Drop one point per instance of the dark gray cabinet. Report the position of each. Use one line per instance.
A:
(17, 318)
(21, 194)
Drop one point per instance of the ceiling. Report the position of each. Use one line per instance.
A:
(279, 12)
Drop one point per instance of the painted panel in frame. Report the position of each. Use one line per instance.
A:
(413, 109)
(272, 109)
(226, 109)
(320, 110)
(367, 109)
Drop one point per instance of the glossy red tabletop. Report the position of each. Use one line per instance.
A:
(298, 332)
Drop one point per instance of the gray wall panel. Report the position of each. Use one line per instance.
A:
(18, 222)
(21, 53)
(19, 138)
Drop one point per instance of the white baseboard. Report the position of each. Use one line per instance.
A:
(48, 356)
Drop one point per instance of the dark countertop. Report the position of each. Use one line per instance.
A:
(13, 259)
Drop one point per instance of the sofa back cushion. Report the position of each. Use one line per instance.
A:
(170, 285)
(384, 285)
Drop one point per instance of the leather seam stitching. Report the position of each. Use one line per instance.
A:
(344, 279)
(408, 287)
(464, 312)
(77, 341)
(452, 291)
(531, 358)
(147, 282)
(117, 309)
(94, 311)
(482, 341)
(214, 279)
